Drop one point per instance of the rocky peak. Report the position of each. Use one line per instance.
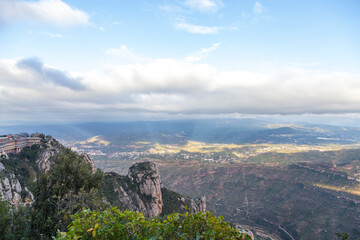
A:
(50, 148)
(141, 190)
(199, 205)
(146, 174)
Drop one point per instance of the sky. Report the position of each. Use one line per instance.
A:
(113, 60)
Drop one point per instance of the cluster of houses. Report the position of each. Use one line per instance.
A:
(15, 143)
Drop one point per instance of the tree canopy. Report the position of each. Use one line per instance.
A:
(65, 189)
(113, 224)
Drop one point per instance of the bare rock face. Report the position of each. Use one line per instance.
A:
(146, 174)
(49, 152)
(88, 159)
(198, 205)
(142, 191)
(5, 189)
(51, 149)
(12, 191)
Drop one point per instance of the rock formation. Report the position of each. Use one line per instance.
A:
(88, 159)
(12, 191)
(147, 176)
(141, 190)
(49, 150)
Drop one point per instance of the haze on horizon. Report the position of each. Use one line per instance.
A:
(118, 60)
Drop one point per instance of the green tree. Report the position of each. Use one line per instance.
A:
(14, 221)
(66, 188)
(5, 217)
(113, 224)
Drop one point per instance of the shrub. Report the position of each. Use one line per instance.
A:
(114, 224)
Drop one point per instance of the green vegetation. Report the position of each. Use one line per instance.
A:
(65, 189)
(14, 221)
(172, 201)
(114, 224)
(23, 164)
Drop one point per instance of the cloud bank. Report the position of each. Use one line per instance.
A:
(50, 75)
(197, 29)
(54, 12)
(30, 89)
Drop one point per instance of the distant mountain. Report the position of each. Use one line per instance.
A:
(239, 131)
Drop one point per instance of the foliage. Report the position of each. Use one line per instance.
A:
(342, 236)
(172, 202)
(65, 189)
(4, 217)
(14, 221)
(114, 224)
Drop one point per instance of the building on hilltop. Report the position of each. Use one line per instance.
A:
(15, 143)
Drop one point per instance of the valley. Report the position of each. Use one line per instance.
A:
(291, 191)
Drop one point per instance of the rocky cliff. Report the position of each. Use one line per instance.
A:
(11, 190)
(48, 151)
(141, 190)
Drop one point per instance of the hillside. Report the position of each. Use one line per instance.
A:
(28, 177)
(310, 199)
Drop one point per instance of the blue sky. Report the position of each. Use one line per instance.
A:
(97, 60)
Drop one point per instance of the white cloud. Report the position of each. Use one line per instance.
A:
(197, 29)
(45, 11)
(170, 86)
(52, 35)
(203, 53)
(203, 5)
(124, 52)
(258, 8)
(171, 8)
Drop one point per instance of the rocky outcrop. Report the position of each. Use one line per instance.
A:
(141, 190)
(88, 159)
(49, 150)
(12, 191)
(147, 176)
(198, 205)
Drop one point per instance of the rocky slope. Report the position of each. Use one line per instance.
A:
(10, 188)
(140, 190)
